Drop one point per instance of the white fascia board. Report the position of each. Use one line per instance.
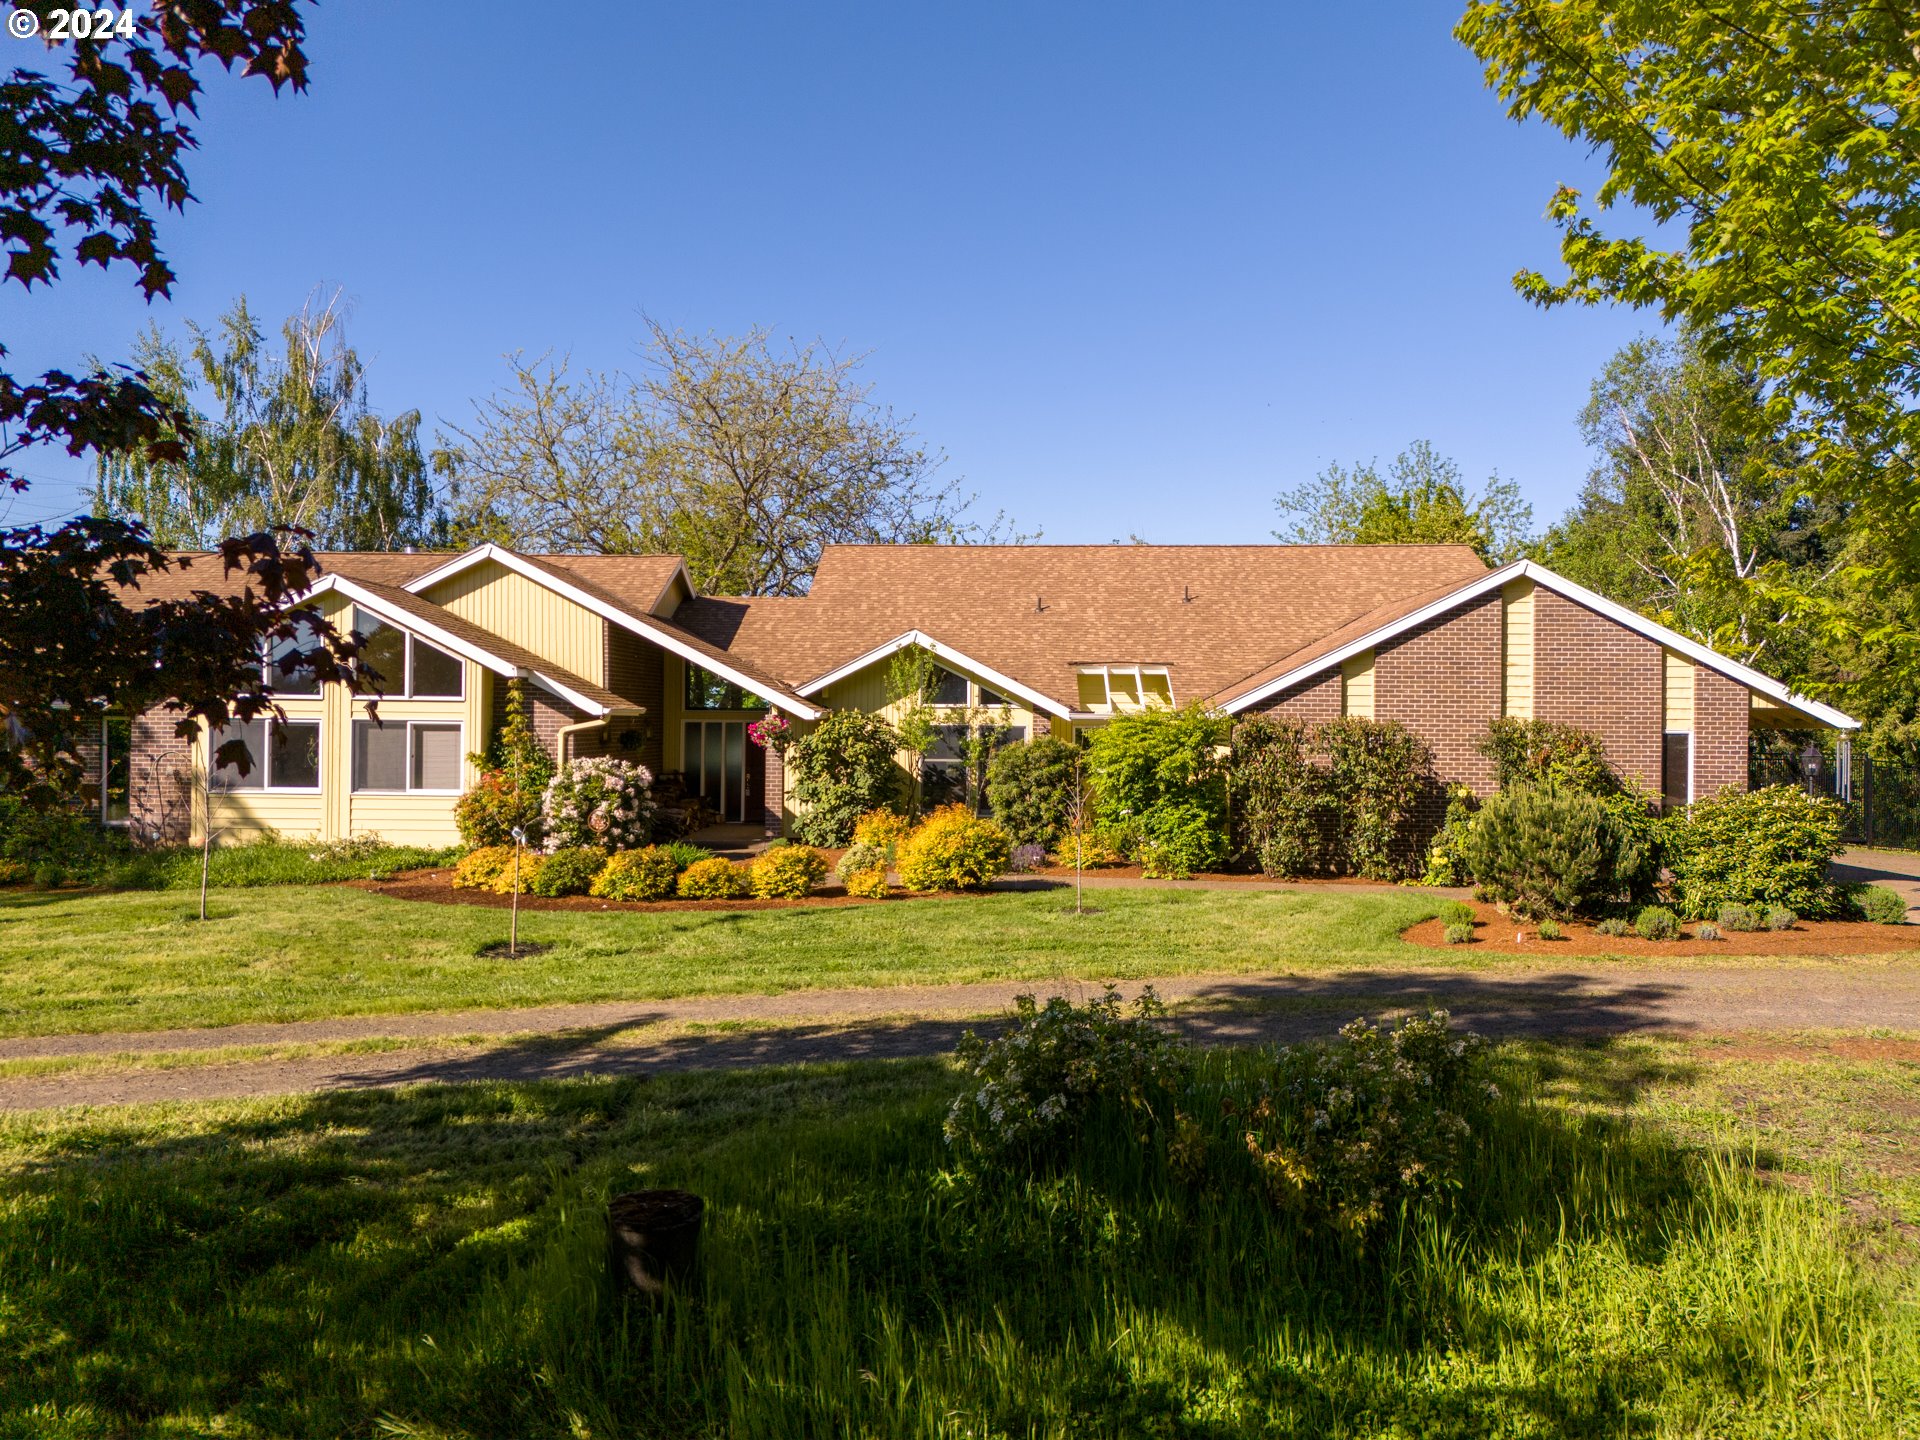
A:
(407, 620)
(942, 652)
(616, 616)
(1692, 649)
(1580, 595)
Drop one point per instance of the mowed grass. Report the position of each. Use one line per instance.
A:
(430, 1263)
(140, 961)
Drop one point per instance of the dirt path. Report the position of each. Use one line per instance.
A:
(635, 1038)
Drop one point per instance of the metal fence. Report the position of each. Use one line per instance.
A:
(1882, 800)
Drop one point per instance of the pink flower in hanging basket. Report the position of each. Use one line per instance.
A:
(770, 733)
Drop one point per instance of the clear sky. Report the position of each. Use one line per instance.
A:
(1134, 268)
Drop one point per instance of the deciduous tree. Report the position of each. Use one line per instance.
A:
(1420, 500)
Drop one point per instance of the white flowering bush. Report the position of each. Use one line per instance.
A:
(601, 804)
(1032, 1086)
(1342, 1131)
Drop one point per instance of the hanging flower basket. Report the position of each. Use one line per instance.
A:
(772, 733)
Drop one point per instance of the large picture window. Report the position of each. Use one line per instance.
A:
(283, 755)
(707, 691)
(409, 668)
(404, 756)
(288, 679)
(951, 689)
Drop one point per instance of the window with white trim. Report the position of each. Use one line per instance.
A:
(407, 757)
(1117, 689)
(116, 770)
(281, 755)
(948, 687)
(410, 668)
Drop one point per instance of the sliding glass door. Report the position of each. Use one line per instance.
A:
(718, 769)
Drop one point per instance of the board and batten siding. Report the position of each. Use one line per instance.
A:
(1356, 685)
(530, 615)
(1516, 637)
(1677, 693)
(243, 815)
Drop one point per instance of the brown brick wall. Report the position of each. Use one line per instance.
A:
(1721, 708)
(1442, 680)
(1595, 673)
(1313, 701)
(160, 799)
(774, 792)
(550, 715)
(636, 671)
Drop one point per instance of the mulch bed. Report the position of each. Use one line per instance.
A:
(1496, 933)
(1132, 872)
(435, 887)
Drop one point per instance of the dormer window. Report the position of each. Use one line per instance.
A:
(1124, 689)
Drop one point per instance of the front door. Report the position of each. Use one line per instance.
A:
(716, 767)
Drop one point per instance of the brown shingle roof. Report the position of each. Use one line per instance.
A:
(1213, 614)
(204, 571)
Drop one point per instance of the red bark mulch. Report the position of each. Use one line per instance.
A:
(1495, 933)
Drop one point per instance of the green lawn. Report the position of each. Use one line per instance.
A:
(139, 961)
(1635, 1252)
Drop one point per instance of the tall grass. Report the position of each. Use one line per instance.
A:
(434, 1265)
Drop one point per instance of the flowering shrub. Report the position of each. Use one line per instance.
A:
(715, 879)
(1089, 848)
(788, 873)
(568, 872)
(599, 803)
(953, 849)
(1026, 857)
(488, 813)
(478, 869)
(843, 768)
(771, 732)
(1757, 848)
(1343, 1130)
(636, 875)
(1030, 1087)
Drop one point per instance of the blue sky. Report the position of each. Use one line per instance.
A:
(1134, 268)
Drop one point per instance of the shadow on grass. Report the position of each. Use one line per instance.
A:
(309, 1266)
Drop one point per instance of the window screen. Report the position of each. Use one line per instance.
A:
(228, 776)
(435, 672)
(293, 761)
(436, 757)
(379, 756)
(1676, 755)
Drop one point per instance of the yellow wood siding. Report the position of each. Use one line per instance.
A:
(1516, 628)
(243, 815)
(1678, 690)
(1356, 686)
(532, 616)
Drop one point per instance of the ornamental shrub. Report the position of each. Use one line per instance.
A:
(1030, 1088)
(1549, 753)
(1550, 930)
(867, 884)
(645, 874)
(1458, 933)
(1160, 773)
(843, 768)
(686, 853)
(1738, 918)
(882, 829)
(1881, 905)
(571, 871)
(1613, 927)
(1656, 922)
(1026, 857)
(1757, 848)
(953, 849)
(1706, 930)
(1456, 912)
(1546, 853)
(1343, 1132)
(478, 869)
(1030, 789)
(715, 878)
(503, 883)
(1779, 917)
(1376, 771)
(599, 803)
(487, 814)
(861, 857)
(1446, 853)
(1085, 851)
(788, 873)
(1281, 798)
